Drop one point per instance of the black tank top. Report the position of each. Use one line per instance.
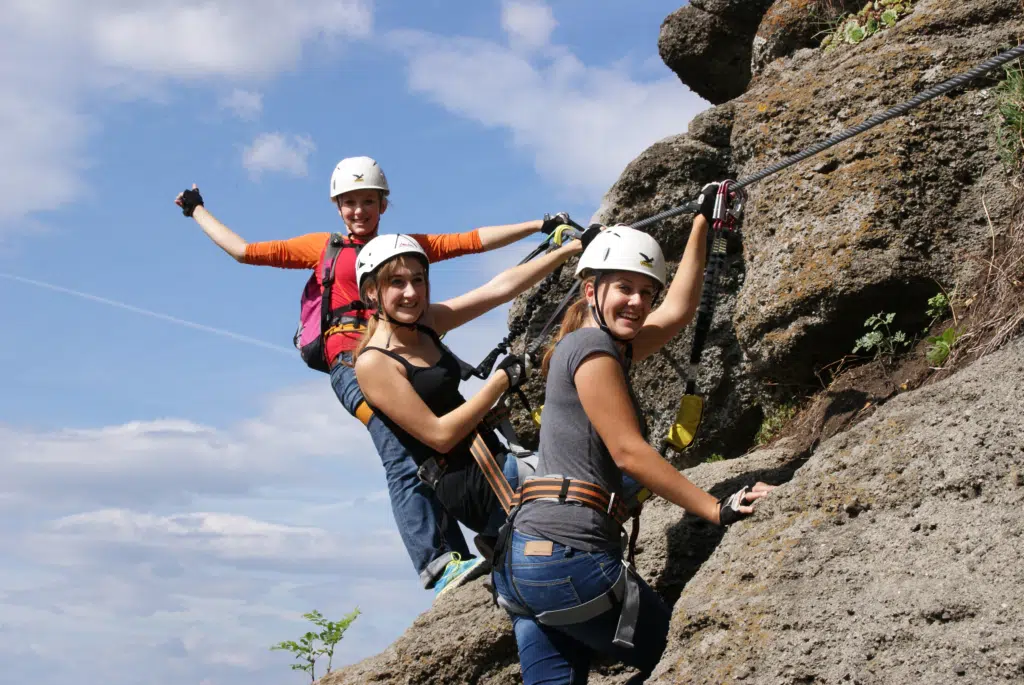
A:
(438, 387)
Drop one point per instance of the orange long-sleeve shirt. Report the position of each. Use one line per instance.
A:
(307, 252)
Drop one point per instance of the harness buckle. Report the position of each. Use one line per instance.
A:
(611, 505)
(565, 490)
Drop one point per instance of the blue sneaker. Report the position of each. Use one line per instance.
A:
(456, 573)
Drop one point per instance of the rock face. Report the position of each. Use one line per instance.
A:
(792, 24)
(894, 555)
(708, 44)
(872, 224)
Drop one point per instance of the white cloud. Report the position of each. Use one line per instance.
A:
(244, 104)
(301, 434)
(527, 24)
(41, 134)
(188, 549)
(193, 38)
(60, 52)
(278, 152)
(227, 537)
(581, 123)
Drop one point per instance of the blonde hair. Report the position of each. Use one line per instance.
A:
(384, 274)
(575, 316)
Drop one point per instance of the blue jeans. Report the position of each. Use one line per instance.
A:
(429, 534)
(567, 578)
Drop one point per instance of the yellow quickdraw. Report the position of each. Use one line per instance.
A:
(682, 432)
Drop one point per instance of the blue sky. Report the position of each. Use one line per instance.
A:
(176, 488)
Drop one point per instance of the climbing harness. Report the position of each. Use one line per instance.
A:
(317, 321)
(625, 592)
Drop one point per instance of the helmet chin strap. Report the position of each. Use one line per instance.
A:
(598, 316)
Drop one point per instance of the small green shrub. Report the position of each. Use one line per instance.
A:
(774, 421)
(937, 307)
(941, 345)
(715, 456)
(880, 338)
(312, 646)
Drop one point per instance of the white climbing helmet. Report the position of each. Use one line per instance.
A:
(384, 248)
(621, 248)
(357, 173)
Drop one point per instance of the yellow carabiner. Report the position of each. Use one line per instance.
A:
(558, 235)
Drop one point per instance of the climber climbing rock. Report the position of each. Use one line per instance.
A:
(411, 380)
(560, 570)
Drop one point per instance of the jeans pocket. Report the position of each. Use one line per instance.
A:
(547, 595)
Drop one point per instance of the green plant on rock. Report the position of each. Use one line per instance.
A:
(1010, 118)
(774, 421)
(715, 456)
(873, 17)
(880, 338)
(313, 645)
(937, 306)
(853, 32)
(939, 346)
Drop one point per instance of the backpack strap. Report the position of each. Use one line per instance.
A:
(333, 320)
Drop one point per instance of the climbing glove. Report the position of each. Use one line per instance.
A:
(190, 199)
(707, 202)
(514, 367)
(589, 234)
(552, 222)
(729, 507)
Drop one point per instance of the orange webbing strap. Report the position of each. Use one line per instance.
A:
(364, 413)
(345, 328)
(568, 489)
(492, 472)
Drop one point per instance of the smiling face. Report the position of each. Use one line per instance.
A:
(403, 288)
(361, 210)
(625, 298)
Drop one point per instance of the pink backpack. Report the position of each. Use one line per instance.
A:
(314, 317)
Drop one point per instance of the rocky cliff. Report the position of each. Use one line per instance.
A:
(892, 551)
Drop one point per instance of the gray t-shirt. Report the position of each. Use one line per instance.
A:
(570, 446)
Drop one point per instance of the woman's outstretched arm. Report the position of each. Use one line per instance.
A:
(502, 288)
(224, 237)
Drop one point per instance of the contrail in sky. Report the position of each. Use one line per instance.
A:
(155, 315)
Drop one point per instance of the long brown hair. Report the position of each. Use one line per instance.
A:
(384, 274)
(575, 316)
